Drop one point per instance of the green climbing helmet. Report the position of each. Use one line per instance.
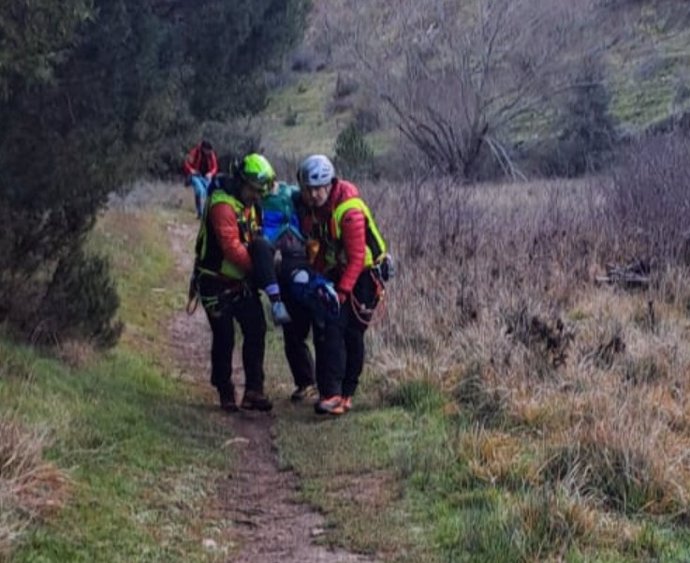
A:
(257, 171)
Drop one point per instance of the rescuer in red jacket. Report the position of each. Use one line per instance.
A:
(350, 247)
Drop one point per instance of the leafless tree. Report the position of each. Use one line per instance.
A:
(458, 76)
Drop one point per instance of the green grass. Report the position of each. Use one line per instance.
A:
(130, 441)
(396, 481)
(149, 287)
(306, 100)
(142, 452)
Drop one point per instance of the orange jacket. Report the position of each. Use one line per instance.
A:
(224, 223)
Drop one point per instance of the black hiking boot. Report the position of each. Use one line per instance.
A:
(227, 400)
(255, 401)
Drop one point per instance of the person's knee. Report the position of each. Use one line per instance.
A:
(199, 186)
(260, 246)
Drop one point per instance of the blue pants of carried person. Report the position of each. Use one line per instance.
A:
(200, 185)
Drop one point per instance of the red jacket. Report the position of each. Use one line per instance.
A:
(351, 248)
(197, 163)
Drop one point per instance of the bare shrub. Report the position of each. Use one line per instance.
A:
(290, 119)
(462, 75)
(338, 106)
(306, 59)
(366, 118)
(647, 204)
(604, 346)
(548, 340)
(29, 487)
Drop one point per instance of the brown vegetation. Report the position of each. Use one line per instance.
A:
(574, 387)
(459, 76)
(30, 488)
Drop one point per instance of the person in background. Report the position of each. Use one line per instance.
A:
(350, 251)
(200, 166)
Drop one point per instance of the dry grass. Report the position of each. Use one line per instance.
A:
(30, 488)
(570, 384)
(76, 354)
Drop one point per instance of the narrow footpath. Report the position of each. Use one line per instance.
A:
(258, 497)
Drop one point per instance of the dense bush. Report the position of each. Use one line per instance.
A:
(80, 302)
(585, 132)
(97, 94)
(354, 156)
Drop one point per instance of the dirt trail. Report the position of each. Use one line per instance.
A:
(257, 496)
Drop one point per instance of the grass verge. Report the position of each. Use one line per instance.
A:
(126, 440)
(415, 479)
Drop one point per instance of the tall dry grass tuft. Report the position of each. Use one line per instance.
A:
(496, 302)
(30, 488)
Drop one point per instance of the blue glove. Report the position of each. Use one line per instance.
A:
(315, 292)
(327, 295)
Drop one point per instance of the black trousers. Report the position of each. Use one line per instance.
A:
(261, 252)
(339, 344)
(295, 335)
(295, 332)
(245, 307)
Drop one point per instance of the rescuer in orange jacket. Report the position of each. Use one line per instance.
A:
(225, 279)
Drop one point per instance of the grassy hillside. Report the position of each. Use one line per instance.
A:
(511, 409)
(650, 70)
(646, 52)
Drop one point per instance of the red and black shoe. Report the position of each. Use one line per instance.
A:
(330, 405)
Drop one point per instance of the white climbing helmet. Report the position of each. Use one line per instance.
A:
(315, 170)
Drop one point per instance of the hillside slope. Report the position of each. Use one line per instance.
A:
(646, 53)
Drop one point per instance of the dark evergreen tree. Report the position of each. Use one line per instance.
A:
(587, 130)
(89, 90)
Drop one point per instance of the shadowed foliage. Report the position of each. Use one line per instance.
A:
(89, 91)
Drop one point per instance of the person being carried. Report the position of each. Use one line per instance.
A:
(352, 253)
(308, 296)
(223, 279)
(200, 166)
